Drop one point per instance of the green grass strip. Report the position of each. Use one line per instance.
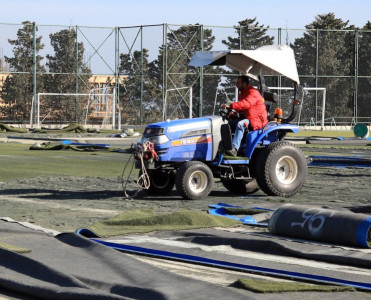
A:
(266, 286)
(13, 248)
(144, 221)
(17, 161)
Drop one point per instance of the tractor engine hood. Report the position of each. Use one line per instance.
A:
(266, 60)
(176, 129)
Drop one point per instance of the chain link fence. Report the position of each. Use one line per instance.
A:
(147, 67)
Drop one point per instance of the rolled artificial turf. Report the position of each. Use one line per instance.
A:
(144, 221)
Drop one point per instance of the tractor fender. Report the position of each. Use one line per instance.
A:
(270, 133)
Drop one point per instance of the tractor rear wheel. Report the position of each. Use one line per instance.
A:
(241, 186)
(281, 169)
(161, 183)
(194, 180)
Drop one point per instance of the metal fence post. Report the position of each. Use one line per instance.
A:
(77, 76)
(164, 69)
(190, 102)
(117, 76)
(355, 108)
(201, 72)
(279, 34)
(117, 83)
(34, 71)
(317, 71)
(141, 75)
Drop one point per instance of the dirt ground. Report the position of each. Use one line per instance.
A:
(66, 203)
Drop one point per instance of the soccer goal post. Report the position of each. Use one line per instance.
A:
(312, 106)
(97, 107)
(177, 104)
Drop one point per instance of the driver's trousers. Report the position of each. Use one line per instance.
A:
(240, 127)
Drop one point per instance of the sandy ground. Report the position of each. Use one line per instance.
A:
(66, 203)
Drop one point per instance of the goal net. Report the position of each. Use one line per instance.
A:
(98, 107)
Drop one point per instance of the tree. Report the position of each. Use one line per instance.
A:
(67, 62)
(17, 91)
(63, 66)
(140, 82)
(181, 45)
(334, 59)
(364, 65)
(250, 35)
(175, 56)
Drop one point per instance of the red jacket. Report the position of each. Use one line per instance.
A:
(251, 104)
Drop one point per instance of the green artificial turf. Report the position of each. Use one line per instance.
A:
(17, 161)
(143, 221)
(266, 286)
(8, 128)
(325, 133)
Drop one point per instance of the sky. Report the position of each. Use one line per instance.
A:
(110, 13)
(121, 13)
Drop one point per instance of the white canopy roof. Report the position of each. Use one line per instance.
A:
(266, 60)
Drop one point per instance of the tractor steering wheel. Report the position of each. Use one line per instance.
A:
(228, 113)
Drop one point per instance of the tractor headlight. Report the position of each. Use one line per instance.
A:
(158, 139)
(154, 135)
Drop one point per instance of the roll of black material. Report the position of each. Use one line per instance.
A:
(323, 225)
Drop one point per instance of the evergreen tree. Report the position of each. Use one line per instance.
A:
(130, 93)
(364, 67)
(17, 91)
(336, 58)
(250, 35)
(181, 45)
(64, 63)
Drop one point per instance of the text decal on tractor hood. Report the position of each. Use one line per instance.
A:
(190, 141)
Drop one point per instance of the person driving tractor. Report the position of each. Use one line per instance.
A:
(251, 105)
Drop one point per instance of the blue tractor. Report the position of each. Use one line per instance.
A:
(190, 153)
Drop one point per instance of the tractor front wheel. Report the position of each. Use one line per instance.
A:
(194, 180)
